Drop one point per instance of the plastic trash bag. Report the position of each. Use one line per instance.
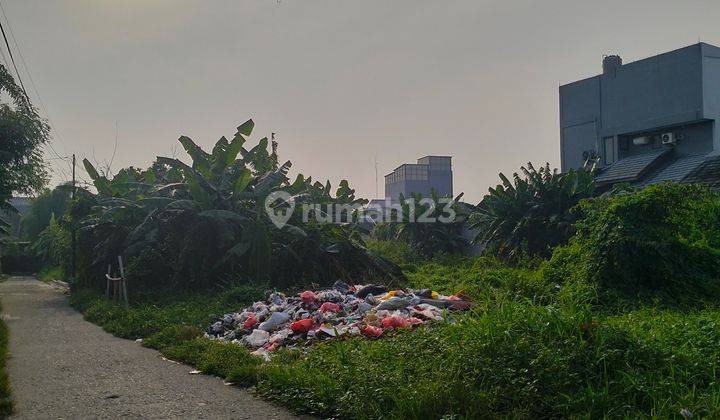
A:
(275, 321)
(257, 338)
(302, 326)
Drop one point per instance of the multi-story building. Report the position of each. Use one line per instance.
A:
(429, 173)
(648, 121)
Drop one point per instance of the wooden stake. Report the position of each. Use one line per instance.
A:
(124, 280)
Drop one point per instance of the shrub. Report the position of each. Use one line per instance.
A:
(172, 335)
(437, 227)
(6, 402)
(397, 251)
(531, 215)
(52, 246)
(661, 238)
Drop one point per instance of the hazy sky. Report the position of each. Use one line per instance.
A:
(339, 81)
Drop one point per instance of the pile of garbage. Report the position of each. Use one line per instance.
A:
(341, 311)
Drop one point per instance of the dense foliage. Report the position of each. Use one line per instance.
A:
(530, 349)
(662, 238)
(44, 206)
(532, 214)
(433, 226)
(181, 225)
(22, 133)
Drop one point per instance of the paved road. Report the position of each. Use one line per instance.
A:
(61, 366)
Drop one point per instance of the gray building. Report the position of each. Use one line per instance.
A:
(429, 173)
(649, 121)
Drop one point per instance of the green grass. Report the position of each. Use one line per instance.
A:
(49, 273)
(6, 402)
(530, 348)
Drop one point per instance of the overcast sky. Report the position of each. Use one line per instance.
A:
(340, 82)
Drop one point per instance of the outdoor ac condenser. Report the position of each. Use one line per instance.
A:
(669, 138)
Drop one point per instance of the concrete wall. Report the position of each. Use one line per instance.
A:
(697, 138)
(440, 181)
(711, 88)
(663, 91)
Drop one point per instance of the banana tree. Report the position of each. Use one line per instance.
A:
(531, 214)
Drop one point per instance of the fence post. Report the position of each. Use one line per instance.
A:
(124, 280)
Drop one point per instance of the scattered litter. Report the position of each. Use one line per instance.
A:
(344, 310)
(168, 360)
(139, 340)
(61, 286)
(195, 372)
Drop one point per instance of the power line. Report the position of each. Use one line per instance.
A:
(37, 92)
(4, 60)
(7, 44)
(32, 81)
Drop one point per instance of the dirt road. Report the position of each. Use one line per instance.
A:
(61, 366)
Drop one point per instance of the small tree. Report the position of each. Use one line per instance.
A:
(22, 132)
(531, 215)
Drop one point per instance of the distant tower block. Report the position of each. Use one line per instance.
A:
(429, 173)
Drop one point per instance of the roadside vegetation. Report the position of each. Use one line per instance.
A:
(556, 337)
(584, 304)
(22, 170)
(6, 402)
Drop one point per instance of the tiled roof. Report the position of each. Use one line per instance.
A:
(631, 168)
(708, 172)
(676, 170)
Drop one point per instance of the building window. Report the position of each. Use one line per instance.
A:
(609, 156)
(624, 144)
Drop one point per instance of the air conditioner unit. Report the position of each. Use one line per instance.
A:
(669, 138)
(641, 141)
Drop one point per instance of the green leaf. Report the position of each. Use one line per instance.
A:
(224, 214)
(101, 183)
(246, 128)
(292, 229)
(243, 180)
(201, 159)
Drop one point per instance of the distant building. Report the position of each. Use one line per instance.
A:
(429, 173)
(648, 121)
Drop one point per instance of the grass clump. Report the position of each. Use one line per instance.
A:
(49, 273)
(228, 361)
(172, 335)
(6, 402)
(398, 251)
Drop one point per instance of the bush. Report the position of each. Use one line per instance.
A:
(49, 273)
(663, 238)
(52, 246)
(533, 214)
(172, 335)
(6, 402)
(17, 257)
(397, 251)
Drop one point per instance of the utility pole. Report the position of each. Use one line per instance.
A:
(72, 221)
(376, 177)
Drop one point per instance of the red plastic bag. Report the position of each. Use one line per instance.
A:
(394, 321)
(329, 306)
(308, 297)
(372, 332)
(302, 326)
(250, 321)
